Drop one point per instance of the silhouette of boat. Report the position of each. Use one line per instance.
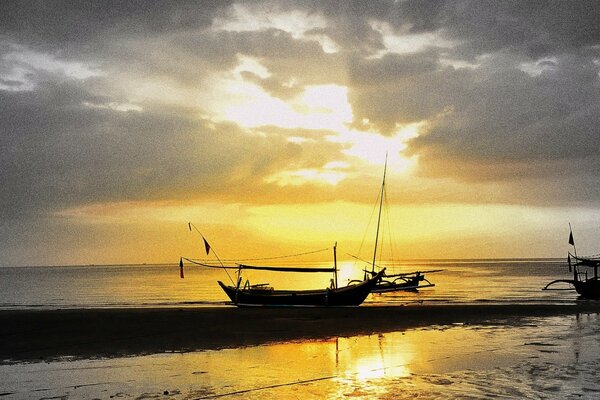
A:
(408, 281)
(264, 295)
(587, 286)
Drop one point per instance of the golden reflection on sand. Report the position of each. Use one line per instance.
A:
(506, 359)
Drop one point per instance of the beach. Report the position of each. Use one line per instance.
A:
(81, 333)
(398, 352)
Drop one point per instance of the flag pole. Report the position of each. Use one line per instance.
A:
(209, 248)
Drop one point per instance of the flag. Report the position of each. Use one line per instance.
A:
(181, 267)
(571, 241)
(206, 246)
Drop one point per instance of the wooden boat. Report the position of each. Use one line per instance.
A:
(264, 295)
(409, 281)
(587, 287)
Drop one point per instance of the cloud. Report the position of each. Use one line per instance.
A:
(113, 102)
(58, 152)
(64, 24)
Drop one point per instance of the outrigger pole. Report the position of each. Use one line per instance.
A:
(209, 248)
(379, 217)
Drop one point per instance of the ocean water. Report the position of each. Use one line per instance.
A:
(460, 281)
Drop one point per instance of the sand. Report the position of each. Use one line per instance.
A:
(88, 333)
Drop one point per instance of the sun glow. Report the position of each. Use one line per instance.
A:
(323, 107)
(302, 176)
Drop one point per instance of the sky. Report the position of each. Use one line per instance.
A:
(267, 124)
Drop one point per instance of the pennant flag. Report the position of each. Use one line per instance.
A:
(181, 267)
(190, 226)
(206, 246)
(571, 241)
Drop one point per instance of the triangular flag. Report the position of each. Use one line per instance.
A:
(571, 241)
(181, 267)
(206, 246)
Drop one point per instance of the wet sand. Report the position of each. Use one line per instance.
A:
(89, 333)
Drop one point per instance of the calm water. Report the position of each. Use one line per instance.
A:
(160, 285)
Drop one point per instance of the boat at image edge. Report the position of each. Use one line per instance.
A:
(587, 287)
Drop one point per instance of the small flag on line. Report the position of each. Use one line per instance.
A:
(571, 241)
(206, 246)
(181, 267)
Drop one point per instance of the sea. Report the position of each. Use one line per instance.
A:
(101, 286)
(532, 357)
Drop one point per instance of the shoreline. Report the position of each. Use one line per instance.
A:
(40, 335)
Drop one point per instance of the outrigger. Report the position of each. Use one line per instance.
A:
(408, 281)
(587, 287)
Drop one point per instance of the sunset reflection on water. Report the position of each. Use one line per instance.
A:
(511, 358)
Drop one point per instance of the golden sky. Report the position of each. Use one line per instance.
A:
(267, 125)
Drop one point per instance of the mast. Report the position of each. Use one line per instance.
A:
(379, 217)
(335, 264)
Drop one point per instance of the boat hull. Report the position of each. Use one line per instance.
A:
(589, 289)
(352, 295)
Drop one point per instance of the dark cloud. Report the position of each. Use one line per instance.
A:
(59, 24)
(63, 147)
(527, 107)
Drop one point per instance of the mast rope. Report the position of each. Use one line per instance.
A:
(268, 258)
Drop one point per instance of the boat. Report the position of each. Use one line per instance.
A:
(408, 281)
(588, 287)
(264, 295)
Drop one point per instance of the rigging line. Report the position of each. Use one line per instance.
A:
(213, 250)
(390, 234)
(360, 259)
(362, 242)
(379, 217)
(275, 257)
(208, 265)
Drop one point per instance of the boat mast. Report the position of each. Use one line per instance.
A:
(335, 264)
(379, 217)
